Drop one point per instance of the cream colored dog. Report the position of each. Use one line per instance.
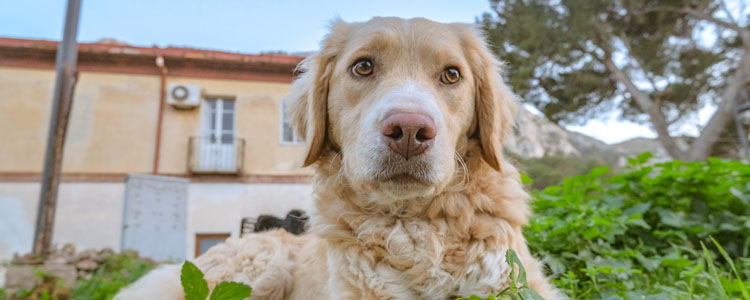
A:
(404, 122)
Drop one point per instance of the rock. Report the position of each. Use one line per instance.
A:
(66, 273)
(84, 275)
(68, 250)
(535, 137)
(103, 254)
(87, 264)
(57, 259)
(86, 254)
(26, 259)
(24, 277)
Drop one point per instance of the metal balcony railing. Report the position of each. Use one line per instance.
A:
(216, 155)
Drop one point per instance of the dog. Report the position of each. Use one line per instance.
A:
(403, 122)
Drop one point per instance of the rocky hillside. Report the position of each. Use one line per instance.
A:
(535, 137)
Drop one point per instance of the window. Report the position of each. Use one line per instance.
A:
(218, 148)
(218, 120)
(288, 134)
(203, 242)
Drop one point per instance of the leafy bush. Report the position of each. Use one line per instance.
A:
(117, 271)
(553, 169)
(639, 234)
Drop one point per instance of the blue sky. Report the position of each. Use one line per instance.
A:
(244, 26)
(233, 25)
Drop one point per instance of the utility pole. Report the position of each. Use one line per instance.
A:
(62, 99)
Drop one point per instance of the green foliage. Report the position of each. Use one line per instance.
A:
(557, 52)
(518, 289)
(639, 234)
(196, 288)
(117, 271)
(231, 291)
(553, 169)
(730, 262)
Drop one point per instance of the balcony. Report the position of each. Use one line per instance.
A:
(216, 155)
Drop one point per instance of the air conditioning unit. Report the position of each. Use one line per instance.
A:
(183, 96)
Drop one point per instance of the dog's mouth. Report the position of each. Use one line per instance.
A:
(405, 179)
(415, 171)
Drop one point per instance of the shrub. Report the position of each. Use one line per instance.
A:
(117, 271)
(639, 234)
(553, 169)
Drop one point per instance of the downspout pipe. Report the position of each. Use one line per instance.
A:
(162, 99)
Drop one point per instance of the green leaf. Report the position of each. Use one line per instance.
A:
(525, 179)
(193, 284)
(231, 291)
(643, 157)
(670, 218)
(639, 208)
(740, 195)
(512, 258)
(724, 254)
(714, 274)
(529, 294)
(648, 263)
(598, 172)
(638, 222)
(556, 265)
(473, 297)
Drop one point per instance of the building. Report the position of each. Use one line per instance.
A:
(212, 122)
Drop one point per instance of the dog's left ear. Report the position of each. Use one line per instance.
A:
(309, 93)
(495, 104)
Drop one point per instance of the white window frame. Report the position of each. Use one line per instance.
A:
(213, 155)
(204, 105)
(296, 140)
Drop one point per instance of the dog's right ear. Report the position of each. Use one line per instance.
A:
(309, 92)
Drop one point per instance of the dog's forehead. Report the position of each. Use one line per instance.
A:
(417, 36)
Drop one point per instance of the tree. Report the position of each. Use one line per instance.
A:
(651, 59)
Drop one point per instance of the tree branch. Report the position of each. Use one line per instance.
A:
(680, 113)
(641, 65)
(744, 33)
(728, 12)
(648, 106)
(701, 147)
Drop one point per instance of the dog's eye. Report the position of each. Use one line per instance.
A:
(450, 75)
(362, 67)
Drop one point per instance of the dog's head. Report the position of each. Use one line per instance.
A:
(400, 99)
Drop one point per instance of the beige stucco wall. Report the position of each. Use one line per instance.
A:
(111, 127)
(113, 124)
(257, 122)
(24, 109)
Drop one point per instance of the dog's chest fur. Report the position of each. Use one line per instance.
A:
(430, 258)
(418, 257)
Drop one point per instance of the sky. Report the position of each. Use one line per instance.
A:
(247, 26)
